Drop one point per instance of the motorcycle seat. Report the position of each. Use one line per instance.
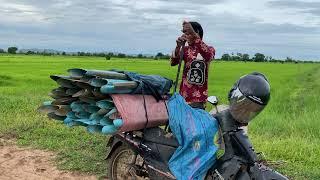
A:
(159, 136)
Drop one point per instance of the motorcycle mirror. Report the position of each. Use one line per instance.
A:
(213, 100)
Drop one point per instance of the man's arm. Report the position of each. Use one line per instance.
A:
(175, 57)
(207, 52)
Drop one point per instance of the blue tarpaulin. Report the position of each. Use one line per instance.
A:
(149, 84)
(195, 130)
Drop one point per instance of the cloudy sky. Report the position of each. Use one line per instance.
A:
(279, 28)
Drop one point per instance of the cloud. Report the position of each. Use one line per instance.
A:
(151, 26)
(231, 33)
(310, 7)
(294, 4)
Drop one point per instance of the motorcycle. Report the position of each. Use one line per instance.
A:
(144, 154)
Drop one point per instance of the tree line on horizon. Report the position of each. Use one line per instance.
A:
(258, 57)
(107, 55)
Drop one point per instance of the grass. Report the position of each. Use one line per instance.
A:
(287, 130)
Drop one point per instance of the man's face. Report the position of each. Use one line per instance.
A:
(189, 37)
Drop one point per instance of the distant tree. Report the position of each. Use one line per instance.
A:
(239, 57)
(121, 55)
(140, 56)
(30, 52)
(12, 50)
(245, 57)
(225, 57)
(81, 53)
(167, 56)
(311, 62)
(2, 51)
(108, 57)
(274, 60)
(268, 58)
(159, 54)
(63, 53)
(232, 57)
(289, 60)
(44, 53)
(258, 57)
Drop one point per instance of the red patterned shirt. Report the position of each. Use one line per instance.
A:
(197, 57)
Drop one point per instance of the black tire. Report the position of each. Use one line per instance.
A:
(118, 163)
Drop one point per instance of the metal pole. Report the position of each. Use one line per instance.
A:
(179, 68)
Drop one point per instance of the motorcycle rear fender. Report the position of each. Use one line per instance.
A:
(113, 143)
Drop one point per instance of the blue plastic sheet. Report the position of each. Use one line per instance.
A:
(195, 130)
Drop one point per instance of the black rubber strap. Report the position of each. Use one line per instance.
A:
(146, 114)
(167, 127)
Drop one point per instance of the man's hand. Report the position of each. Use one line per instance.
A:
(181, 40)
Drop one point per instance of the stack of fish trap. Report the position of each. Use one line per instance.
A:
(86, 98)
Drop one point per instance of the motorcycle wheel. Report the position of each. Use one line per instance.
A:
(124, 163)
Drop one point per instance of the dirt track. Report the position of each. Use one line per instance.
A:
(23, 163)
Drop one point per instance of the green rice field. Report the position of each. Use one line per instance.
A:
(287, 131)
